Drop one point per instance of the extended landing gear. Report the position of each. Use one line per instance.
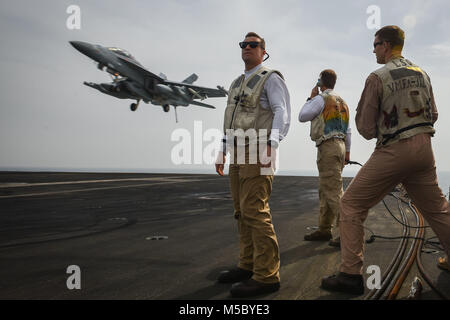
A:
(134, 106)
(166, 108)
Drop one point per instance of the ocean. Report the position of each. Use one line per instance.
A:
(443, 177)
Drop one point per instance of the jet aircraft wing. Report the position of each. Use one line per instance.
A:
(201, 104)
(202, 91)
(141, 69)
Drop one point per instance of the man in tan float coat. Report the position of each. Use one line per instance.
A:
(397, 107)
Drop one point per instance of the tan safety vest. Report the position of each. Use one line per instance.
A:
(406, 103)
(333, 121)
(244, 109)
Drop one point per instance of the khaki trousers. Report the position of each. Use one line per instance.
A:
(330, 162)
(409, 161)
(259, 250)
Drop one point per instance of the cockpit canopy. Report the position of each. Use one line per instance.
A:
(122, 52)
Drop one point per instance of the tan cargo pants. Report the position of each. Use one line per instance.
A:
(409, 161)
(330, 162)
(259, 250)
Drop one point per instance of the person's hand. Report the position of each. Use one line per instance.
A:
(314, 92)
(220, 163)
(347, 157)
(268, 154)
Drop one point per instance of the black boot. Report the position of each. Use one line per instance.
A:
(336, 242)
(250, 288)
(234, 275)
(344, 282)
(318, 236)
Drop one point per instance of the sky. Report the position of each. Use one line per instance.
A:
(50, 120)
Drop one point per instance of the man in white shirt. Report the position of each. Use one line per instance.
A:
(258, 101)
(330, 130)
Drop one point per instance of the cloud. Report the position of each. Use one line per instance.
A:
(441, 49)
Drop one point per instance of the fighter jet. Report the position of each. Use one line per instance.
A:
(132, 81)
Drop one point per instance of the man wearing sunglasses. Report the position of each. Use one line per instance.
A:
(330, 130)
(397, 107)
(258, 102)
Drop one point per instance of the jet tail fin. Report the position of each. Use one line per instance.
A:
(191, 79)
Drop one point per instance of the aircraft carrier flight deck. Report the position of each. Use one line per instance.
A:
(167, 236)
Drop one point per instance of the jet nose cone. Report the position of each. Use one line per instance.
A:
(84, 47)
(79, 45)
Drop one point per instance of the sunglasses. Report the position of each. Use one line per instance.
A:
(377, 43)
(253, 44)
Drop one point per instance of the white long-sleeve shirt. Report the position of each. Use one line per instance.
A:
(313, 108)
(275, 96)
